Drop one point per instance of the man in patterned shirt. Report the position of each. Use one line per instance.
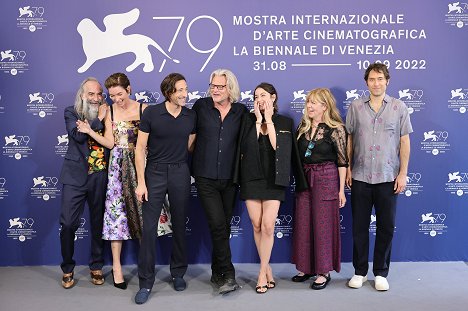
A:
(378, 149)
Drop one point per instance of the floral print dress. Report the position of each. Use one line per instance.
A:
(122, 216)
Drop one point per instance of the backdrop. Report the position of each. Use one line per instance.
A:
(48, 47)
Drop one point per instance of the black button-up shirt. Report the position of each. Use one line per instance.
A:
(216, 143)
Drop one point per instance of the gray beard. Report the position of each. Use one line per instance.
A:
(90, 113)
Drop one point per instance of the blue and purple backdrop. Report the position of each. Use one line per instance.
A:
(48, 47)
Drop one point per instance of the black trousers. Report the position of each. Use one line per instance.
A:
(218, 197)
(381, 196)
(173, 179)
(73, 201)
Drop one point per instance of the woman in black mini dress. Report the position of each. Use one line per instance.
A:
(265, 149)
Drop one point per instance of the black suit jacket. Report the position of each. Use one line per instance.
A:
(75, 166)
(248, 166)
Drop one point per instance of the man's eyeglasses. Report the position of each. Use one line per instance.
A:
(214, 86)
(309, 149)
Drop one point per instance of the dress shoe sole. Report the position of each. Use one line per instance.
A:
(97, 282)
(68, 285)
(226, 290)
(319, 286)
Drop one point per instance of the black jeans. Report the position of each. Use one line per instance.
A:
(381, 196)
(73, 201)
(173, 179)
(218, 197)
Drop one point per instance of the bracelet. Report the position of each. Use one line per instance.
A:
(264, 122)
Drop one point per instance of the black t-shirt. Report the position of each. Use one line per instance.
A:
(168, 136)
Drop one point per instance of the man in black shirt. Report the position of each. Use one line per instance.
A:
(218, 124)
(168, 130)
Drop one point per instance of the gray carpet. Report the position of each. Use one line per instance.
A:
(413, 286)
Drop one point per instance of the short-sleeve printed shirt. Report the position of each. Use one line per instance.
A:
(376, 138)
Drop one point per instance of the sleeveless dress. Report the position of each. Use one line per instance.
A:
(122, 216)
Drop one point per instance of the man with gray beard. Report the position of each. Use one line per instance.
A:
(84, 179)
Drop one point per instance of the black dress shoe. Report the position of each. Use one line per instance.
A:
(302, 278)
(229, 285)
(179, 283)
(217, 279)
(322, 285)
(122, 285)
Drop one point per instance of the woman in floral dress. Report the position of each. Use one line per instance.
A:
(122, 216)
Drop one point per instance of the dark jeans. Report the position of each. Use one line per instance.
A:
(218, 197)
(73, 201)
(173, 179)
(381, 196)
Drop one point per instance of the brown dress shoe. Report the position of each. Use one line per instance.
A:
(97, 278)
(67, 280)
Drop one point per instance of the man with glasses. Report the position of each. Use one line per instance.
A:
(379, 150)
(218, 124)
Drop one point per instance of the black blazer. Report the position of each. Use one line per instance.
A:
(75, 164)
(248, 166)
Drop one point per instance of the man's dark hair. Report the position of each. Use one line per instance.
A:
(378, 67)
(168, 84)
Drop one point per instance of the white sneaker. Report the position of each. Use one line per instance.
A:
(381, 283)
(357, 281)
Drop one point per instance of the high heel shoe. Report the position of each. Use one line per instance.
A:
(122, 285)
(270, 282)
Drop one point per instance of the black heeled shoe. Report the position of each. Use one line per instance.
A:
(322, 285)
(122, 285)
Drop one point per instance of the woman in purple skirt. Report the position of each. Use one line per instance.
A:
(321, 139)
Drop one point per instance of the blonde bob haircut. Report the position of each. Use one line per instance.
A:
(331, 115)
